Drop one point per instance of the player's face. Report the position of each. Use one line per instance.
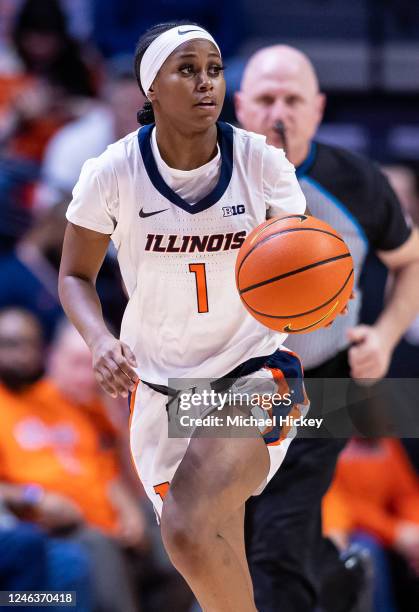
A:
(281, 95)
(189, 89)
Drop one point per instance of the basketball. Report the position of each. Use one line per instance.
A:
(294, 274)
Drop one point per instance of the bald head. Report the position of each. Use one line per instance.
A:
(280, 61)
(280, 85)
(17, 322)
(70, 365)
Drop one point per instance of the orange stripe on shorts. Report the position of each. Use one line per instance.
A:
(131, 412)
(283, 388)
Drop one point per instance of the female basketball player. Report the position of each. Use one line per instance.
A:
(177, 198)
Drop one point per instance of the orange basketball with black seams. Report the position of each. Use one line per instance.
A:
(294, 274)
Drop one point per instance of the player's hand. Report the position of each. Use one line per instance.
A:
(113, 364)
(369, 355)
(344, 311)
(54, 511)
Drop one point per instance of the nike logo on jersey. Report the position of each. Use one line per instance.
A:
(186, 31)
(209, 243)
(144, 215)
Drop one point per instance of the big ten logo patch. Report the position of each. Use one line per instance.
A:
(230, 211)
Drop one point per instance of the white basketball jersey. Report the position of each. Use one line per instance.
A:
(184, 317)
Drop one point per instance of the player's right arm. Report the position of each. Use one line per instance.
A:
(113, 361)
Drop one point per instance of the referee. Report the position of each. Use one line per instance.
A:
(280, 98)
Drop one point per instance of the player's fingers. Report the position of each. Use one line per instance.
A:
(127, 370)
(105, 379)
(115, 380)
(129, 355)
(122, 383)
(128, 381)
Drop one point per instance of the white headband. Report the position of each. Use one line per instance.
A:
(162, 46)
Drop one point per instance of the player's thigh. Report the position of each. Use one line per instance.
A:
(217, 475)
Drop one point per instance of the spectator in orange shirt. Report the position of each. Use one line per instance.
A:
(109, 500)
(374, 499)
(60, 462)
(58, 468)
(60, 437)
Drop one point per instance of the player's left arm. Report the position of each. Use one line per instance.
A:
(373, 345)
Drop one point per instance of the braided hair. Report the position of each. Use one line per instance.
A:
(146, 115)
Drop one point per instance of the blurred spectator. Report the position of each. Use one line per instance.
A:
(23, 562)
(56, 74)
(53, 86)
(17, 179)
(30, 558)
(374, 500)
(29, 274)
(106, 501)
(57, 462)
(33, 561)
(60, 461)
(90, 135)
(79, 14)
(118, 24)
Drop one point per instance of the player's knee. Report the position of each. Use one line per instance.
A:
(184, 534)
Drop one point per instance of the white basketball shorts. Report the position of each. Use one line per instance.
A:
(275, 395)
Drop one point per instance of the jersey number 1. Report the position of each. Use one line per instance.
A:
(201, 285)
